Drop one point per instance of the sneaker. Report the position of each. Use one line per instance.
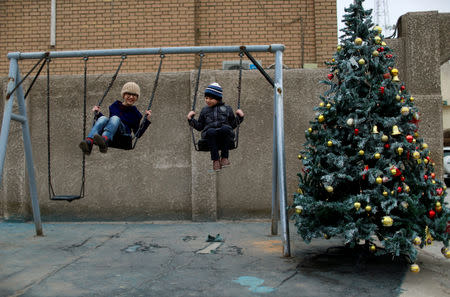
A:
(216, 165)
(102, 143)
(224, 162)
(86, 146)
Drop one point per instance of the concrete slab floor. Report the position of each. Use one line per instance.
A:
(163, 259)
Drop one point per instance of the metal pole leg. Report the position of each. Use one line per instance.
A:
(280, 152)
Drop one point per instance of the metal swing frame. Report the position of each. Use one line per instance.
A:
(15, 93)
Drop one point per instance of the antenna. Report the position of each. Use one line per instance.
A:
(382, 15)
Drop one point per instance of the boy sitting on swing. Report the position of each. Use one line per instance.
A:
(217, 122)
(124, 117)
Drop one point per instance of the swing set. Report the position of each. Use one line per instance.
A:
(15, 92)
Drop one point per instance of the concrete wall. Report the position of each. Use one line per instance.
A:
(164, 177)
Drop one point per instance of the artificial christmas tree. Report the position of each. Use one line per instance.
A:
(367, 174)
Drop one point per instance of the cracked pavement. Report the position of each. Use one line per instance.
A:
(162, 259)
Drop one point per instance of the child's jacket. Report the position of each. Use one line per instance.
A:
(215, 117)
(130, 117)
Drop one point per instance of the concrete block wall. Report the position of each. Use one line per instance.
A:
(308, 29)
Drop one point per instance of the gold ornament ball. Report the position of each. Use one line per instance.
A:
(299, 156)
(407, 189)
(424, 146)
(417, 240)
(387, 221)
(385, 193)
(350, 122)
(384, 138)
(298, 209)
(328, 105)
(338, 48)
(446, 252)
(383, 43)
(372, 248)
(375, 53)
(368, 208)
(358, 41)
(414, 268)
(425, 161)
(326, 236)
(393, 171)
(309, 129)
(321, 118)
(378, 29)
(397, 97)
(404, 110)
(321, 104)
(330, 143)
(357, 205)
(377, 39)
(438, 204)
(361, 152)
(377, 156)
(438, 208)
(361, 61)
(300, 191)
(379, 180)
(329, 189)
(405, 204)
(411, 98)
(416, 155)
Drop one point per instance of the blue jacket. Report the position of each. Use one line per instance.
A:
(130, 117)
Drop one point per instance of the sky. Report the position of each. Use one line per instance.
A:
(396, 8)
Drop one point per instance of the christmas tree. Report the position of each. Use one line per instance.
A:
(367, 174)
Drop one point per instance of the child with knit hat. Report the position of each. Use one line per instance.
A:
(217, 122)
(123, 119)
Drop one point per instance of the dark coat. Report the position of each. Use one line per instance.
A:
(215, 117)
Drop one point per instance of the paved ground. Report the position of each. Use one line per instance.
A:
(169, 259)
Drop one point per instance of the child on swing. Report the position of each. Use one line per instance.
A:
(124, 118)
(217, 122)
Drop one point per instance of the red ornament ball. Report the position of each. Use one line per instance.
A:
(387, 145)
(402, 88)
(399, 189)
(425, 177)
(402, 178)
(356, 131)
(382, 90)
(409, 138)
(433, 175)
(330, 76)
(386, 76)
(431, 214)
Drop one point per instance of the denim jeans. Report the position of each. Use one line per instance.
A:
(107, 127)
(218, 139)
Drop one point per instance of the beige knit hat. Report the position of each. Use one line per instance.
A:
(132, 88)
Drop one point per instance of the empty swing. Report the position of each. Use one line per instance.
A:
(125, 142)
(202, 144)
(51, 192)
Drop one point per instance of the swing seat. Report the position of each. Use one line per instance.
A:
(68, 198)
(123, 142)
(204, 147)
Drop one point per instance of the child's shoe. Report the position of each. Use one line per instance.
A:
(224, 162)
(102, 143)
(86, 146)
(216, 165)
